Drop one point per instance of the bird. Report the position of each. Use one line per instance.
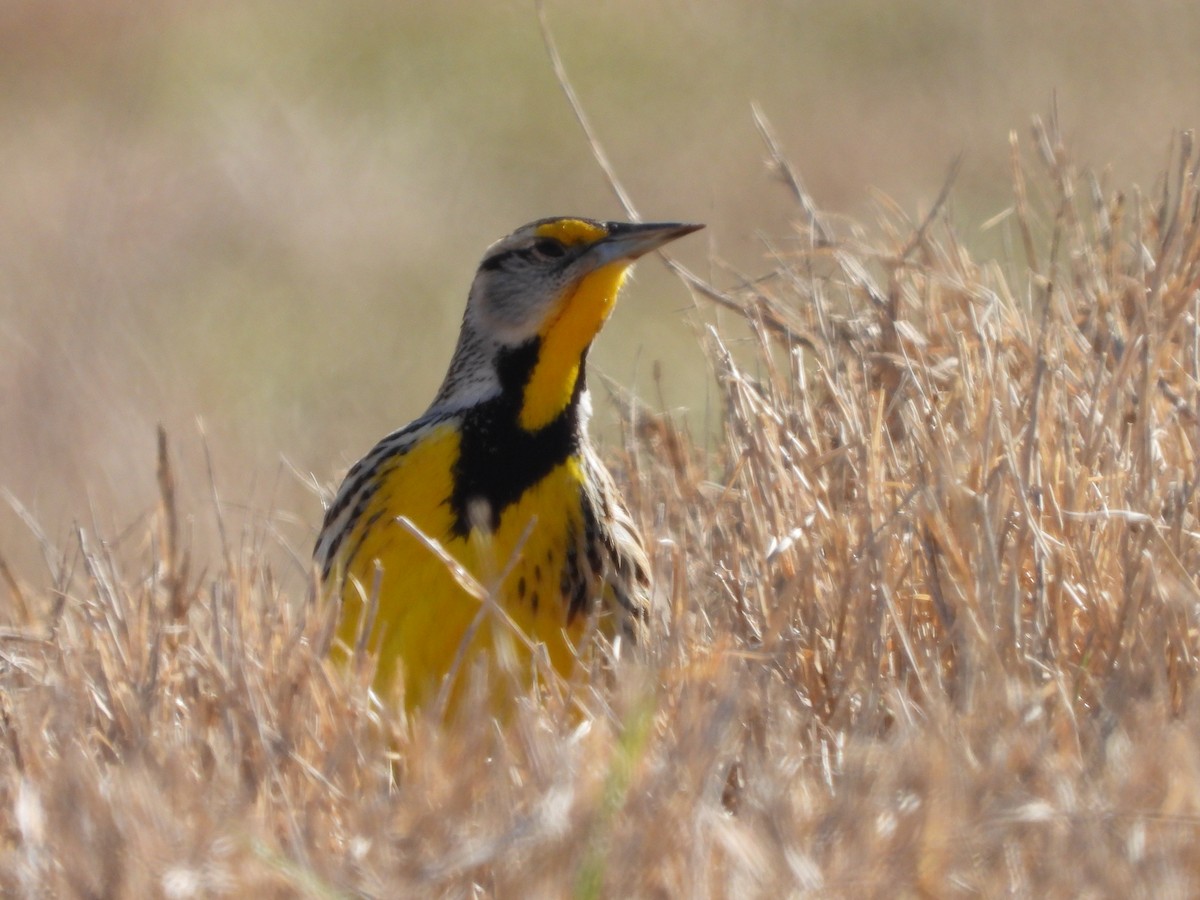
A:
(500, 477)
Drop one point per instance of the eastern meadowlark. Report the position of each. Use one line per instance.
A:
(500, 472)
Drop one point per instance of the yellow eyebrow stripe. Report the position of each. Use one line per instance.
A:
(571, 231)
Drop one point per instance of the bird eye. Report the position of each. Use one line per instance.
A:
(549, 248)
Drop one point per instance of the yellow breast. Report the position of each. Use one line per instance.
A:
(424, 615)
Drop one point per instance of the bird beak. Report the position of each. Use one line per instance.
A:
(629, 240)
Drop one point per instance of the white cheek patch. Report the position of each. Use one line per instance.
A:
(506, 307)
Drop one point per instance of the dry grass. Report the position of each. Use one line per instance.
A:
(932, 612)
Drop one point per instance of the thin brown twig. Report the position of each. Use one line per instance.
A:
(791, 178)
(564, 82)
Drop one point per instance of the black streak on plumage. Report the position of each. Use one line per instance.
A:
(498, 459)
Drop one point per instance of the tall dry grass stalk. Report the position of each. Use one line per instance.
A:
(930, 621)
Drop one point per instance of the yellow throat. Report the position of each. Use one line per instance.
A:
(564, 339)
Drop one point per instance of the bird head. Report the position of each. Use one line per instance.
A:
(540, 296)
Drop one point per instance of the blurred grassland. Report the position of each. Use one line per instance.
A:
(930, 620)
(267, 215)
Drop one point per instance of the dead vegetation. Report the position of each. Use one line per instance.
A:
(931, 621)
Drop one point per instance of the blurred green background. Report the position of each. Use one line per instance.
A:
(266, 215)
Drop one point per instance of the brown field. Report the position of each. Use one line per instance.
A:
(930, 628)
(926, 537)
